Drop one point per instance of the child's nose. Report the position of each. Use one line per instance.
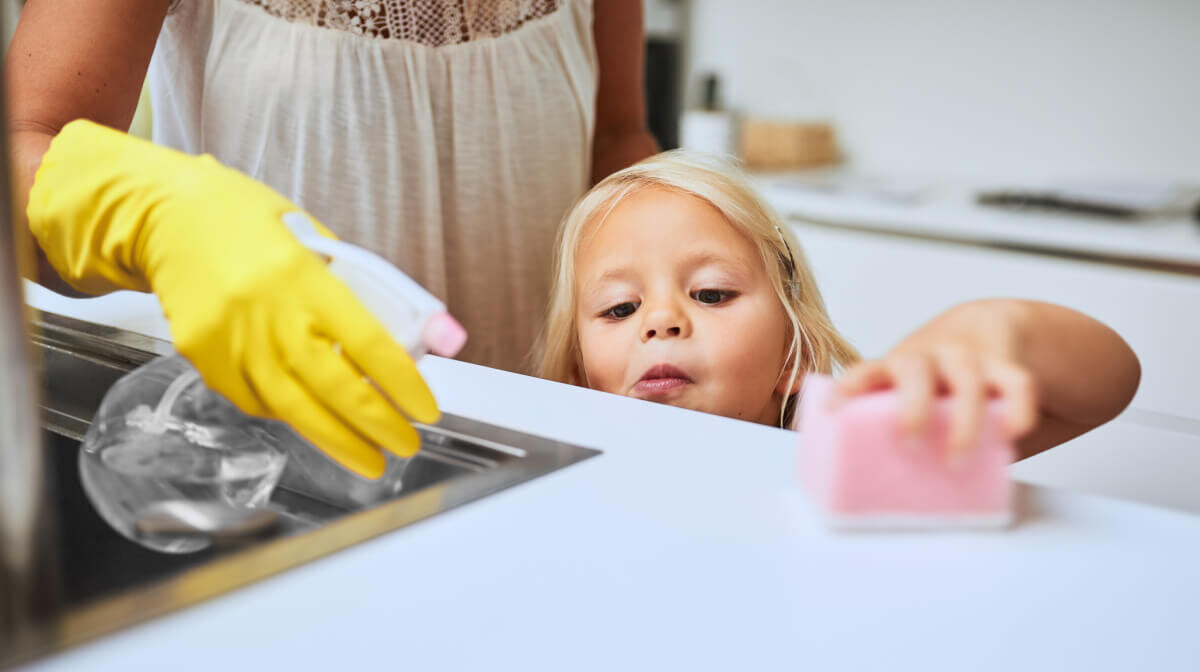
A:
(669, 331)
(666, 322)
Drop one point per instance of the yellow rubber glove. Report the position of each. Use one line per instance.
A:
(258, 314)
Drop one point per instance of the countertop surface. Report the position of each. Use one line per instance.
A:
(688, 545)
(949, 212)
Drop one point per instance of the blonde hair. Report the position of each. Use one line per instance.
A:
(815, 345)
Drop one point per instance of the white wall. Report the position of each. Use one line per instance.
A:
(663, 18)
(1019, 89)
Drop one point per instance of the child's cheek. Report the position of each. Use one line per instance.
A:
(601, 361)
(750, 345)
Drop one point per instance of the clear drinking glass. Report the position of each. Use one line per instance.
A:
(161, 435)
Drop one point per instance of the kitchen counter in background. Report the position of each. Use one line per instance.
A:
(950, 213)
(687, 544)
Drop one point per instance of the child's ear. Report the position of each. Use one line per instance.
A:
(786, 387)
(783, 389)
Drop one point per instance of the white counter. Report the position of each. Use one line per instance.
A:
(687, 545)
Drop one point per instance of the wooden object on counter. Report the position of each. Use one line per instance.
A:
(776, 145)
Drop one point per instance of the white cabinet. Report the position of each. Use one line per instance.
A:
(878, 287)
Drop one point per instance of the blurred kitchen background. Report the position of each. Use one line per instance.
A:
(935, 151)
(1021, 89)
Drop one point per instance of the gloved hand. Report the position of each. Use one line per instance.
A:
(258, 314)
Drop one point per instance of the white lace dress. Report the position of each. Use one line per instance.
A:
(450, 136)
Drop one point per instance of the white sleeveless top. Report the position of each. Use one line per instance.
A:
(449, 136)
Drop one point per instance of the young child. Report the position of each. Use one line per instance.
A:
(675, 283)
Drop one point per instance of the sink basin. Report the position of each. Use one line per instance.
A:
(106, 582)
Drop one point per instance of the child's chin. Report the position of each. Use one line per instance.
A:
(676, 400)
(692, 404)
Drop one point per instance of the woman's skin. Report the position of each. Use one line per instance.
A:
(72, 59)
(621, 137)
(87, 59)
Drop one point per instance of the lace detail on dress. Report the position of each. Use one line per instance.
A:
(434, 23)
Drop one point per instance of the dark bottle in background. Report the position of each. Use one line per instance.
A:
(666, 34)
(663, 104)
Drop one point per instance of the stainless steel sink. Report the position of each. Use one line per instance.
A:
(106, 582)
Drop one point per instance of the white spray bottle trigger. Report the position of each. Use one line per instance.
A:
(413, 316)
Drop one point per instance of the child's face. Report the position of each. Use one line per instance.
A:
(674, 306)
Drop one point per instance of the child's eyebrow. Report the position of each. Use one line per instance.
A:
(595, 284)
(738, 266)
(619, 273)
(735, 264)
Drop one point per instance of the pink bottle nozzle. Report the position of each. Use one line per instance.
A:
(444, 336)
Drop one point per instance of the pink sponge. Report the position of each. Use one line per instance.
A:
(858, 466)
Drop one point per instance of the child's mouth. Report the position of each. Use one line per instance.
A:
(661, 380)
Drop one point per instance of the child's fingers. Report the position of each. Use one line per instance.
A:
(964, 376)
(911, 375)
(915, 384)
(860, 378)
(1019, 390)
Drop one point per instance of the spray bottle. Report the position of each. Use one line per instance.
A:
(412, 315)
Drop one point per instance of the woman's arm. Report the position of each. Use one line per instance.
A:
(621, 138)
(73, 59)
(1060, 372)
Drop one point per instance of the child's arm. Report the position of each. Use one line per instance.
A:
(1060, 372)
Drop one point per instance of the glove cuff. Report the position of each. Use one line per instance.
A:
(80, 211)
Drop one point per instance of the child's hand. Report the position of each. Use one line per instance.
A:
(971, 352)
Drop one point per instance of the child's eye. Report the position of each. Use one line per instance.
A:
(712, 296)
(620, 311)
